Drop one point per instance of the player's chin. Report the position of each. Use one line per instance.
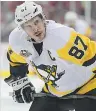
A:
(41, 36)
(40, 39)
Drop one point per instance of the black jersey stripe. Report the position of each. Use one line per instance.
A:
(90, 61)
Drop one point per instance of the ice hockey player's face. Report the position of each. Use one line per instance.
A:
(35, 28)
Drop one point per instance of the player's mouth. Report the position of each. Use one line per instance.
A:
(38, 34)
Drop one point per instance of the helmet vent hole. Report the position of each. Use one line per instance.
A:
(22, 10)
(19, 20)
(25, 8)
(35, 10)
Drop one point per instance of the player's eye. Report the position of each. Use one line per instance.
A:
(29, 26)
(36, 22)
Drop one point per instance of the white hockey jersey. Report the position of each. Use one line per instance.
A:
(67, 59)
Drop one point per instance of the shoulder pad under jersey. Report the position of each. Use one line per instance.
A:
(18, 40)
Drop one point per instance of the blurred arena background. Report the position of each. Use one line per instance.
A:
(53, 10)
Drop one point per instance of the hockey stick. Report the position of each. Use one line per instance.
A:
(64, 97)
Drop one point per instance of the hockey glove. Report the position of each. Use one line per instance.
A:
(22, 89)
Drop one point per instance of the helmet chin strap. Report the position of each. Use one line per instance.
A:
(36, 42)
(33, 41)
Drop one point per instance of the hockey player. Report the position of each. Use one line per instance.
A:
(64, 59)
(72, 20)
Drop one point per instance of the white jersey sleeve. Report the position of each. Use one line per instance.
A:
(18, 40)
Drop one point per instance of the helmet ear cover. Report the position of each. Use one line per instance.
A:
(27, 11)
